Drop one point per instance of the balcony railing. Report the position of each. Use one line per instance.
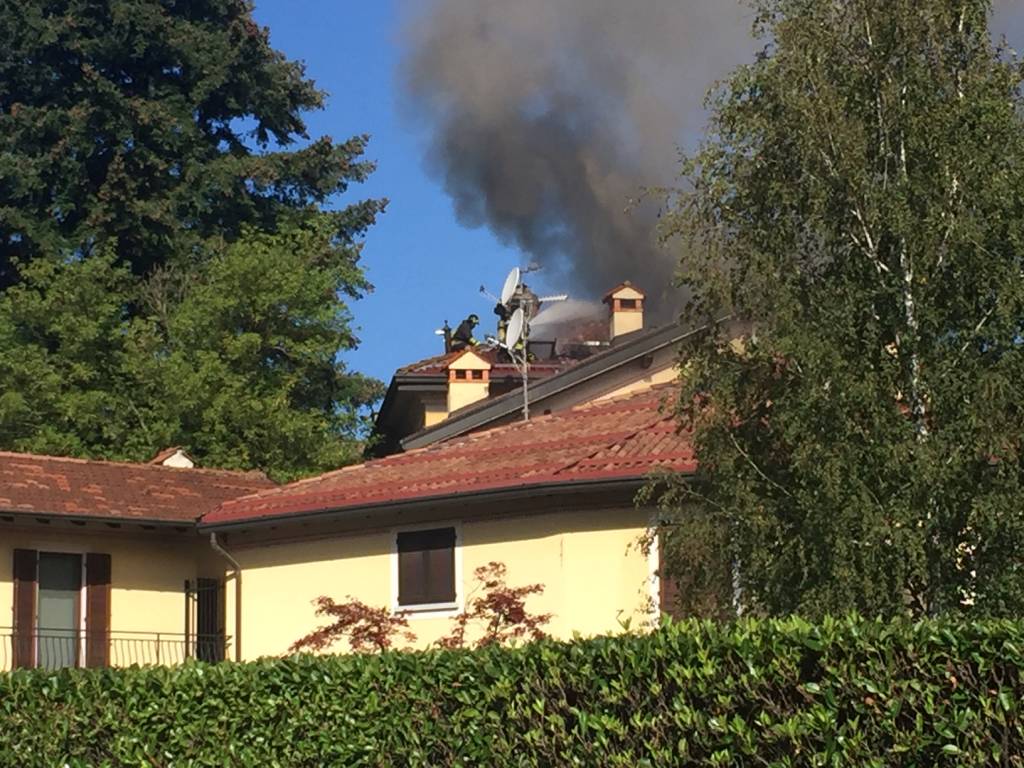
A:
(56, 648)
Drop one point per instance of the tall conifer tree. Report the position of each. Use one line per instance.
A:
(153, 124)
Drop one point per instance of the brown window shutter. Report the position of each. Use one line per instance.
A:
(441, 569)
(412, 576)
(426, 567)
(25, 590)
(669, 594)
(97, 610)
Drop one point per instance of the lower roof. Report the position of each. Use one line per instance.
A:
(45, 486)
(619, 439)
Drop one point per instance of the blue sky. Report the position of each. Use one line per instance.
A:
(425, 266)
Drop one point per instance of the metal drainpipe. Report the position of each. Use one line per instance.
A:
(238, 592)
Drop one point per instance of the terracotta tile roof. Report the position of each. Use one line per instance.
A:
(50, 485)
(431, 365)
(623, 438)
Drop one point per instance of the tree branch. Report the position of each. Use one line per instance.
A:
(756, 468)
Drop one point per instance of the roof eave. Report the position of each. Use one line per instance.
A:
(490, 494)
(406, 383)
(145, 522)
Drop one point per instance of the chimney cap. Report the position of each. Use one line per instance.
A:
(469, 360)
(626, 287)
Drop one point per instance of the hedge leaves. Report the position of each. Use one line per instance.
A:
(780, 693)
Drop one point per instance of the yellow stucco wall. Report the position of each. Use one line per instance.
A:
(594, 576)
(625, 321)
(148, 571)
(665, 375)
(434, 412)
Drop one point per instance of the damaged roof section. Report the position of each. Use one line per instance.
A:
(417, 386)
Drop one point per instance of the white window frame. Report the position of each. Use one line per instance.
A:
(428, 610)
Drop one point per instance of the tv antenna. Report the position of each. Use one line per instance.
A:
(516, 306)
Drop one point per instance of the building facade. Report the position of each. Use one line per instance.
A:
(115, 564)
(551, 499)
(104, 565)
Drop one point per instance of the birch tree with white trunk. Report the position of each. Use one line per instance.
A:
(859, 202)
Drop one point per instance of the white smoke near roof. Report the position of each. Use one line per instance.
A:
(546, 118)
(567, 312)
(570, 323)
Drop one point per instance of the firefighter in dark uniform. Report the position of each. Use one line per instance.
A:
(504, 315)
(463, 336)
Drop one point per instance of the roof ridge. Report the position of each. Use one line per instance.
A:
(425, 362)
(145, 465)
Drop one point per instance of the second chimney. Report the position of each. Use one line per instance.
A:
(626, 303)
(468, 380)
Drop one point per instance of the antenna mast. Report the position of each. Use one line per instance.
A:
(516, 308)
(516, 332)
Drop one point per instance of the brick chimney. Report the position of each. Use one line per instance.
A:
(626, 305)
(469, 380)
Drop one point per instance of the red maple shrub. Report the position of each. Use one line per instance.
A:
(499, 610)
(496, 608)
(368, 629)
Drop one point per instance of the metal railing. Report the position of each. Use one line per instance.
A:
(55, 648)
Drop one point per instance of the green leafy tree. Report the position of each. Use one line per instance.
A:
(238, 360)
(170, 271)
(62, 346)
(858, 206)
(153, 125)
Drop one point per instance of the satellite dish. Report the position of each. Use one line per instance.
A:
(515, 328)
(511, 283)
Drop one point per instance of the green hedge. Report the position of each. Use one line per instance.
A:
(845, 693)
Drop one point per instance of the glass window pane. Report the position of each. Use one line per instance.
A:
(60, 588)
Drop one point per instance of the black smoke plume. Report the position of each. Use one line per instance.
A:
(546, 118)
